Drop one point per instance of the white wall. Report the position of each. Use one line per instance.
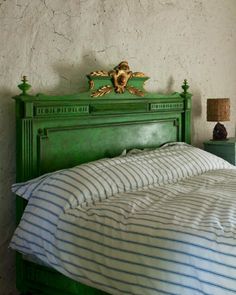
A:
(56, 42)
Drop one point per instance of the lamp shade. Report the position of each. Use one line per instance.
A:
(218, 109)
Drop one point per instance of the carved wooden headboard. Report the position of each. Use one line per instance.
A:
(116, 113)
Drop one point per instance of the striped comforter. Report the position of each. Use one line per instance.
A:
(159, 222)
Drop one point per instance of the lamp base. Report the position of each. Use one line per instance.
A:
(219, 132)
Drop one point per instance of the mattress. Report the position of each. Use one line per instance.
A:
(156, 222)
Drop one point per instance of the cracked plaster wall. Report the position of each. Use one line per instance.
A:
(56, 42)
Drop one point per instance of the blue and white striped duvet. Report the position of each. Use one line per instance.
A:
(160, 222)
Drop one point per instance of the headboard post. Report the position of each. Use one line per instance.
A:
(187, 112)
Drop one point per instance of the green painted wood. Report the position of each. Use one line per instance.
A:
(92, 138)
(226, 149)
(55, 283)
(137, 82)
(55, 132)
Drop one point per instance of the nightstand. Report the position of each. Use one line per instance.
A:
(226, 149)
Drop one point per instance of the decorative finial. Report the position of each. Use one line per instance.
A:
(24, 86)
(185, 86)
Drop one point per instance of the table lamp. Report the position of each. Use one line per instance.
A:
(218, 109)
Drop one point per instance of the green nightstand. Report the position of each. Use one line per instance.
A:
(226, 149)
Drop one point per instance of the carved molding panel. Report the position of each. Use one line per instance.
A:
(61, 110)
(166, 106)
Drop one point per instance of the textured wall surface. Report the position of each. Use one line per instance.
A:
(56, 42)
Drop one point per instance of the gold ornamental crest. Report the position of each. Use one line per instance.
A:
(120, 76)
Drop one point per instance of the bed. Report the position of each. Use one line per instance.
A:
(96, 172)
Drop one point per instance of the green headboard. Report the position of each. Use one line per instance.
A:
(55, 132)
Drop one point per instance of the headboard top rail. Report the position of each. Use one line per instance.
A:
(119, 83)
